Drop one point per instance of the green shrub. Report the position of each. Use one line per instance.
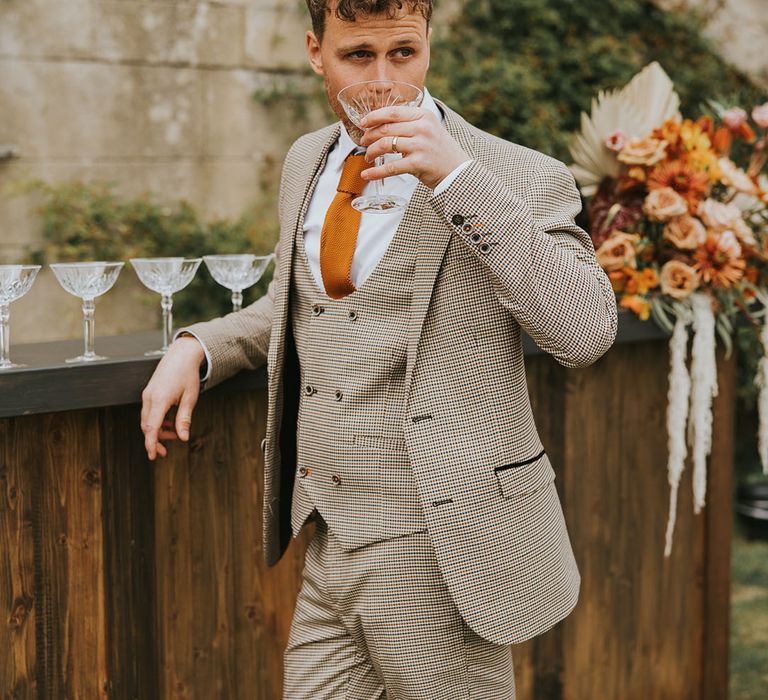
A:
(525, 69)
(89, 221)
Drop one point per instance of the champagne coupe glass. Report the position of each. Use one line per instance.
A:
(358, 100)
(15, 281)
(166, 276)
(237, 272)
(87, 280)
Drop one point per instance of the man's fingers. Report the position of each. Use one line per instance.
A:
(184, 413)
(392, 167)
(383, 147)
(391, 114)
(151, 426)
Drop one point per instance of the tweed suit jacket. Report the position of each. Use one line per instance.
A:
(497, 251)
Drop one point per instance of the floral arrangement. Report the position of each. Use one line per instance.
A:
(678, 214)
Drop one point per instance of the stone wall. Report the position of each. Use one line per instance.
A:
(156, 96)
(739, 28)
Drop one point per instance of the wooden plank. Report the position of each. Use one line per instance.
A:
(223, 616)
(17, 565)
(71, 631)
(718, 523)
(638, 628)
(128, 487)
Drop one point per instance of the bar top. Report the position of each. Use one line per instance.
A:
(49, 384)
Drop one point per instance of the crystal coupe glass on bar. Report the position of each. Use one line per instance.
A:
(15, 281)
(237, 272)
(87, 280)
(166, 276)
(360, 98)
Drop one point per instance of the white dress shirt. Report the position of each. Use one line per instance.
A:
(376, 229)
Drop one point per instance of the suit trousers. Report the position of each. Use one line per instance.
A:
(377, 622)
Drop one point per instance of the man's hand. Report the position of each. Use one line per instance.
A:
(175, 382)
(429, 151)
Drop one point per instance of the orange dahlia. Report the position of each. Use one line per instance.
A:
(716, 264)
(690, 185)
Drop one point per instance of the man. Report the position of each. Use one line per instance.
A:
(399, 417)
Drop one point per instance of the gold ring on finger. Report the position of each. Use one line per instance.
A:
(394, 144)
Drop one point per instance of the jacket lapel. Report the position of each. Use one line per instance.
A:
(432, 240)
(432, 235)
(311, 158)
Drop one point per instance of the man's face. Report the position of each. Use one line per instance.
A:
(370, 48)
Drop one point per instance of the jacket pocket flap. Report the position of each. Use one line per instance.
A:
(524, 477)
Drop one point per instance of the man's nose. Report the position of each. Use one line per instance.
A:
(382, 70)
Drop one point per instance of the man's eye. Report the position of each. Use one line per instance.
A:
(359, 54)
(405, 52)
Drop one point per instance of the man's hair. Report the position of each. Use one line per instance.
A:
(349, 10)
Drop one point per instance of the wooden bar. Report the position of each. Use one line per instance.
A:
(121, 578)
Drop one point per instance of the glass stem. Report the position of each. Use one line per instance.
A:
(380, 182)
(5, 334)
(88, 327)
(167, 305)
(237, 300)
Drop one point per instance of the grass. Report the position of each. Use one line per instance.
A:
(749, 618)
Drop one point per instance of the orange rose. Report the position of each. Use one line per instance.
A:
(678, 280)
(647, 151)
(617, 251)
(685, 232)
(663, 204)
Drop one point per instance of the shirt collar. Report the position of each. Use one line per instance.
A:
(346, 145)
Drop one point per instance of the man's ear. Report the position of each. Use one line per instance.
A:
(313, 53)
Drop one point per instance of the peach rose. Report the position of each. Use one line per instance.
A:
(760, 115)
(719, 217)
(647, 151)
(664, 204)
(618, 251)
(685, 232)
(678, 280)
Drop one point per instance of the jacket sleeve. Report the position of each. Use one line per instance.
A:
(240, 340)
(543, 266)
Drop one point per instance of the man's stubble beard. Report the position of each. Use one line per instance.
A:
(354, 132)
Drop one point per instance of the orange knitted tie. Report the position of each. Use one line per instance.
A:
(339, 235)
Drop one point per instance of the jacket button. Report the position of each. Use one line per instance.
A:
(302, 471)
(317, 309)
(336, 479)
(476, 237)
(338, 394)
(457, 220)
(352, 315)
(484, 247)
(309, 390)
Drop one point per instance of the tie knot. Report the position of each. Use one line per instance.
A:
(350, 181)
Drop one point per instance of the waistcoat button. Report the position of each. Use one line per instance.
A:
(317, 309)
(484, 247)
(338, 394)
(336, 479)
(309, 390)
(302, 471)
(352, 315)
(467, 228)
